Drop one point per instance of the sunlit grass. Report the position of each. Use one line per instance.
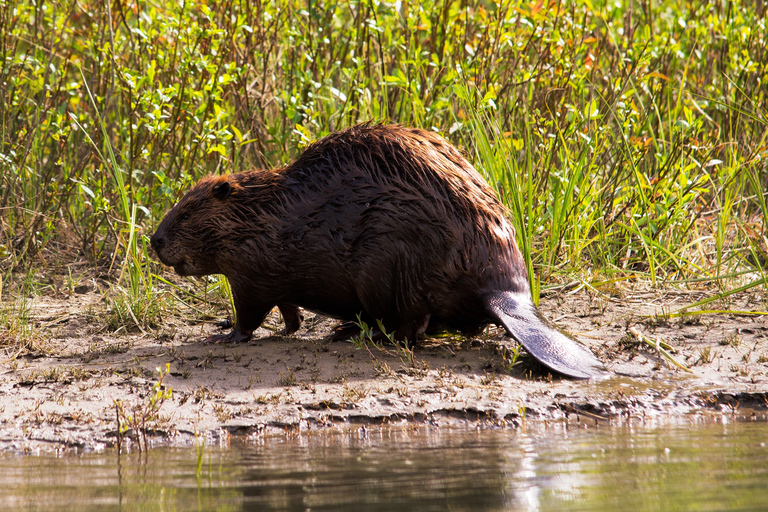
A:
(629, 142)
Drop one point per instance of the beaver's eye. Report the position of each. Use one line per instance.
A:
(185, 217)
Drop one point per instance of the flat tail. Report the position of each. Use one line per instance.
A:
(545, 343)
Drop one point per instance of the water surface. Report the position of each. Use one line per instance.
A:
(696, 464)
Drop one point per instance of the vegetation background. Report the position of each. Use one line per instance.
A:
(628, 138)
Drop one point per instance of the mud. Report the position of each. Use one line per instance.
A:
(61, 394)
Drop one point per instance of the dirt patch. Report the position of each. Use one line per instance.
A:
(62, 394)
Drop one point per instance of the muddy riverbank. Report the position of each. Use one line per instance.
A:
(61, 394)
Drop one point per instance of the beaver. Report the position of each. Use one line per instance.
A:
(377, 222)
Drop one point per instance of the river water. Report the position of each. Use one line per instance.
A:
(692, 463)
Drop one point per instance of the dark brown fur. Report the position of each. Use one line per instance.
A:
(386, 222)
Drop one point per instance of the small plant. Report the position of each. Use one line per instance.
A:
(369, 336)
(382, 368)
(202, 394)
(488, 379)
(366, 335)
(405, 351)
(732, 340)
(288, 379)
(511, 356)
(268, 399)
(354, 394)
(705, 355)
(222, 412)
(199, 452)
(125, 313)
(17, 330)
(660, 346)
(142, 415)
(254, 378)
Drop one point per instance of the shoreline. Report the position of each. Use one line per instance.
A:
(61, 397)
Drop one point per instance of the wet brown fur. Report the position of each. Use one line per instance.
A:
(384, 221)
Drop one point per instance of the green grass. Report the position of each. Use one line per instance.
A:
(629, 142)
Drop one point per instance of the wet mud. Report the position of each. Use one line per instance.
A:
(62, 394)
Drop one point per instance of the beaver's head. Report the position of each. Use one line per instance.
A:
(189, 238)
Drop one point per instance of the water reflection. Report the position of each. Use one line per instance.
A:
(712, 464)
(377, 471)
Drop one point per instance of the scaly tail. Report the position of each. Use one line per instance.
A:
(548, 345)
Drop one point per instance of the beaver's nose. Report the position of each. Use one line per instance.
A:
(157, 241)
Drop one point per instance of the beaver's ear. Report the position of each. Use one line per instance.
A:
(221, 190)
